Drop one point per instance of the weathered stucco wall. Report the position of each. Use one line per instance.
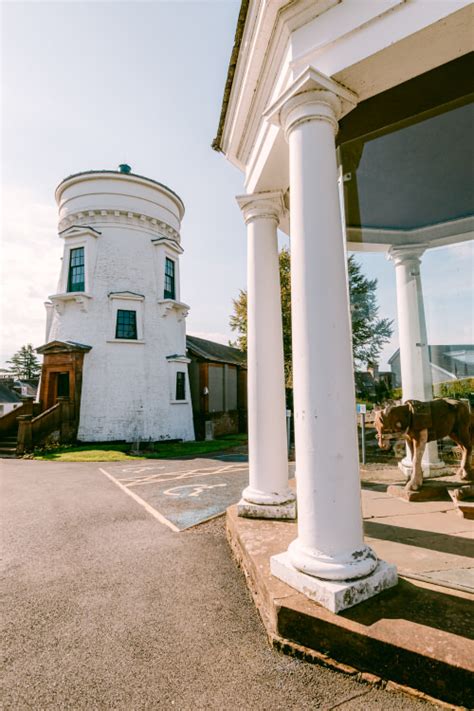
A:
(128, 385)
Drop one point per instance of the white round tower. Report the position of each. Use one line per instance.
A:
(116, 314)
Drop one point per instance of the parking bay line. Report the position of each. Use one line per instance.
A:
(156, 514)
(176, 475)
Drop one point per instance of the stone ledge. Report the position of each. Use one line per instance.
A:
(278, 511)
(413, 635)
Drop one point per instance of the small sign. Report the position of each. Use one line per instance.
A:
(361, 408)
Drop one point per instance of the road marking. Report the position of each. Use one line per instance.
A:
(175, 475)
(196, 489)
(156, 514)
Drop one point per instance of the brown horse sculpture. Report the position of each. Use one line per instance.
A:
(421, 422)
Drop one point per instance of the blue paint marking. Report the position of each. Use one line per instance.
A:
(186, 492)
(232, 457)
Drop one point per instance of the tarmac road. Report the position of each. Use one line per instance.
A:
(107, 608)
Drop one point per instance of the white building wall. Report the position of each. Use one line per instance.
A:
(126, 384)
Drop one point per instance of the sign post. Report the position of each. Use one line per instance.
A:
(361, 410)
(288, 429)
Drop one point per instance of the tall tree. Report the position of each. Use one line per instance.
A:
(369, 333)
(24, 363)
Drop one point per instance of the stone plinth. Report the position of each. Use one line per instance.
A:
(286, 512)
(335, 596)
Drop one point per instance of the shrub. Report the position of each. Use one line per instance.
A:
(456, 388)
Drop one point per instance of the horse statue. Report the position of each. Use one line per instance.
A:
(421, 422)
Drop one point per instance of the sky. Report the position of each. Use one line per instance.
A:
(89, 85)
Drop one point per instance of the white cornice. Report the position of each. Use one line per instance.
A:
(308, 80)
(347, 35)
(167, 242)
(123, 218)
(79, 231)
(126, 296)
(267, 31)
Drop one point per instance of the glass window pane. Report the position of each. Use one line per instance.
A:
(170, 291)
(180, 386)
(126, 324)
(76, 275)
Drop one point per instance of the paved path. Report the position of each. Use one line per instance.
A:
(107, 608)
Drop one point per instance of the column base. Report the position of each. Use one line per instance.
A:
(334, 596)
(286, 511)
(430, 469)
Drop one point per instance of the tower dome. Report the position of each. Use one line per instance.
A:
(118, 297)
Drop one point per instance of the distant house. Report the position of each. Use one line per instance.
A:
(9, 399)
(451, 362)
(26, 388)
(218, 380)
(372, 381)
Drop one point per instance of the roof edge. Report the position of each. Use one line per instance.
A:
(216, 144)
(121, 176)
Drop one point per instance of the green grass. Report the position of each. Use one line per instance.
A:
(110, 452)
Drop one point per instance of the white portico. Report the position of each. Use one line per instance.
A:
(308, 96)
(115, 336)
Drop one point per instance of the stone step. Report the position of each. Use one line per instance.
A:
(7, 448)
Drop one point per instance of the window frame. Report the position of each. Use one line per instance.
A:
(70, 273)
(171, 292)
(123, 325)
(180, 386)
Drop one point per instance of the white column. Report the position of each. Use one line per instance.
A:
(417, 382)
(330, 544)
(268, 494)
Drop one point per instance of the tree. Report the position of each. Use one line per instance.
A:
(369, 333)
(24, 363)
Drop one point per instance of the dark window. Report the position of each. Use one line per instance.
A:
(63, 384)
(170, 292)
(75, 280)
(180, 386)
(126, 324)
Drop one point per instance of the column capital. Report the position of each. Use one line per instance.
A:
(264, 205)
(313, 96)
(406, 254)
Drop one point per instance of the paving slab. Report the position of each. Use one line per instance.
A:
(379, 504)
(439, 521)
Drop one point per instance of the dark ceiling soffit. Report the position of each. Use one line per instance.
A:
(427, 92)
(239, 31)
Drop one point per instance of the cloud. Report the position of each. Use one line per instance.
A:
(30, 256)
